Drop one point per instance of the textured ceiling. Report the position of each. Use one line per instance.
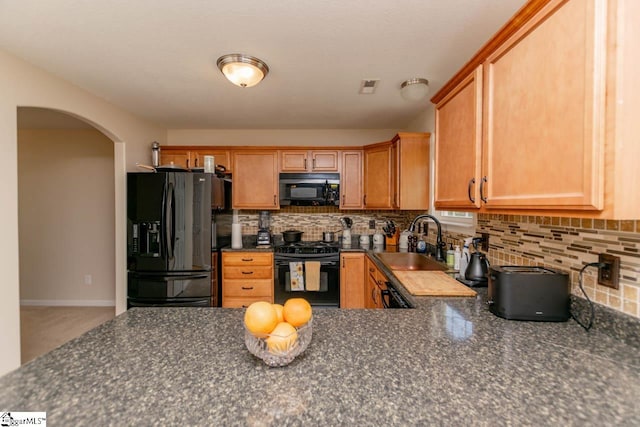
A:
(156, 58)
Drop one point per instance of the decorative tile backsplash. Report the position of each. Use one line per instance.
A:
(559, 243)
(313, 220)
(568, 244)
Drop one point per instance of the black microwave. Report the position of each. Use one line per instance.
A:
(309, 189)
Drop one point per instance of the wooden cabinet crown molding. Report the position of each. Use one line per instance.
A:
(525, 14)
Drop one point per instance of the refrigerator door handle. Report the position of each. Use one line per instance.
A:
(169, 226)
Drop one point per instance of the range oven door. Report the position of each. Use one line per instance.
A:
(329, 293)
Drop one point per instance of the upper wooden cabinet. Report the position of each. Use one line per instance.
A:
(558, 115)
(351, 180)
(458, 145)
(544, 102)
(309, 160)
(222, 157)
(379, 176)
(396, 173)
(179, 156)
(255, 179)
(411, 171)
(193, 157)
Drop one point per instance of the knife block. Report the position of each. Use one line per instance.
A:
(393, 240)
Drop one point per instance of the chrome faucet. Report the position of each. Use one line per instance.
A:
(439, 243)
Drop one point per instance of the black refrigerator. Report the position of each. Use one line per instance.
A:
(169, 239)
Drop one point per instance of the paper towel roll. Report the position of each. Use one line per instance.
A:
(236, 236)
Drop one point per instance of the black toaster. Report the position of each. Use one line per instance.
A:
(529, 293)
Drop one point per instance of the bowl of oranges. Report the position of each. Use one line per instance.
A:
(278, 333)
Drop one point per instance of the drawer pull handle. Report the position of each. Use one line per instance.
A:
(247, 259)
(247, 272)
(247, 288)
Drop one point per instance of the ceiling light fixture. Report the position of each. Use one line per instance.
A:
(414, 89)
(242, 70)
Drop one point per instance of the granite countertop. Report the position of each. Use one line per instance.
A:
(447, 362)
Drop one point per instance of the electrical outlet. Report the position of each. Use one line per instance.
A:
(372, 224)
(484, 245)
(609, 275)
(88, 279)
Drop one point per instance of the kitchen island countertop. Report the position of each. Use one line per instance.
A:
(448, 362)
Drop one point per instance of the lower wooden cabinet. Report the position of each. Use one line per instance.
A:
(352, 280)
(375, 284)
(246, 277)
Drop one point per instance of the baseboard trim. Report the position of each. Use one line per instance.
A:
(69, 303)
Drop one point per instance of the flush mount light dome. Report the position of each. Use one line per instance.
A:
(242, 70)
(414, 89)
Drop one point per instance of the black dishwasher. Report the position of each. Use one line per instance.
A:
(391, 298)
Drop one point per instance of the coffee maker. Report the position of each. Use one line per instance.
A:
(264, 234)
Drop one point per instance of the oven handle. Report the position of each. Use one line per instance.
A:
(325, 262)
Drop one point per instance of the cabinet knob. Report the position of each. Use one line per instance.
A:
(247, 288)
(305, 163)
(247, 272)
(247, 259)
(364, 200)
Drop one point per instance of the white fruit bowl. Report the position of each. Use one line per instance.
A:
(285, 351)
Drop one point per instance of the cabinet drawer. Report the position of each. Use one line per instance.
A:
(245, 258)
(248, 288)
(247, 273)
(235, 302)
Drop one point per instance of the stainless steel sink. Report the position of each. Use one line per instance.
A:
(408, 261)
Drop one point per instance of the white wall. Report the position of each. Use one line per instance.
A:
(424, 122)
(22, 84)
(67, 217)
(271, 137)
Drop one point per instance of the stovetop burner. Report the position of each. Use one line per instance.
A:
(308, 248)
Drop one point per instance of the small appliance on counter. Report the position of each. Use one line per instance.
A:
(529, 293)
(264, 232)
(475, 274)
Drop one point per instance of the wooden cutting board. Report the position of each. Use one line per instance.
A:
(433, 283)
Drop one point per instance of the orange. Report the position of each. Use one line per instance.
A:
(282, 338)
(297, 311)
(260, 318)
(279, 309)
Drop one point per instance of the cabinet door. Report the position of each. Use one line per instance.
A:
(293, 160)
(222, 157)
(324, 161)
(378, 176)
(459, 145)
(177, 157)
(544, 111)
(352, 280)
(351, 180)
(371, 284)
(412, 171)
(255, 180)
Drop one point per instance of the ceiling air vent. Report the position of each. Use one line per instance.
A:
(368, 87)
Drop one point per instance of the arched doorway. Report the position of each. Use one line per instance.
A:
(67, 196)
